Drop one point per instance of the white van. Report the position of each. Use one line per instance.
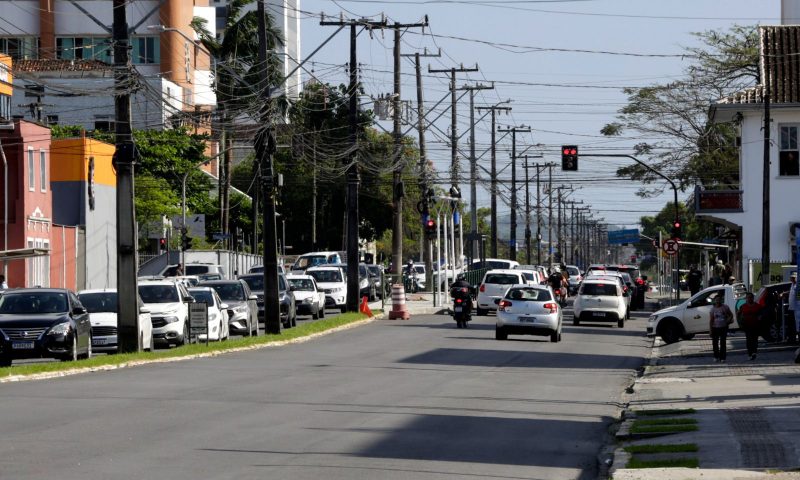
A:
(315, 259)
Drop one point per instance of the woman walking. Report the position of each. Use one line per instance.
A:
(719, 319)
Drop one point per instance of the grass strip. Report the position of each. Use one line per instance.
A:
(300, 331)
(663, 428)
(665, 421)
(662, 448)
(666, 463)
(665, 411)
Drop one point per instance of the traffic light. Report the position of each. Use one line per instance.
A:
(186, 242)
(676, 229)
(430, 228)
(162, 245)
(569, 158)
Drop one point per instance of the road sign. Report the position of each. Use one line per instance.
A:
(619, 237)
(198, 319)
(670, 246)
(221, 236)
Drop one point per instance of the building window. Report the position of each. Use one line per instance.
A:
(39, 267)
(146, 50)
(5, 108)
(52, 119)
(84, 48)
(43, 170)
(789, 161)
(20, 48)
(31, 170)
(104, 123)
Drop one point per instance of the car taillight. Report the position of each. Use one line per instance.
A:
(625, 288)
(553, 307)
(639, 281)
(504, 304)
(458, 300)
(483, 287)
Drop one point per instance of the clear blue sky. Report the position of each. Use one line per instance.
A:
(573, 109)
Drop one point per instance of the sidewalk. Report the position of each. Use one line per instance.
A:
(747, 412)
(417, 304)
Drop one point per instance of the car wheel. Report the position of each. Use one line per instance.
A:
(621, 322)
(555, 337)
(322, 311)
(255, 331)
(152, 343)
(481, 312)
(294, 318)
(343, 308)
(458, 324)
(5, 361)
(185, 338)
(670, 331)
(73, 356)
(688, 336)
(772, 332)
(315, 314)
(500, 334)
(576, 320)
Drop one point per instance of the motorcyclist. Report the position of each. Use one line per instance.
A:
(461, 282)
(556, 281)
(456, 291)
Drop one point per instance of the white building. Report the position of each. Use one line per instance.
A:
(742, 209)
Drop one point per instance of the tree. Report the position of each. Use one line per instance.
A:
(693, 230)
(687, 147)
(154, 198)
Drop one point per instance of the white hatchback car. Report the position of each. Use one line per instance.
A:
(494, 286)
(167, 301)
(600, 301)
(333, 282)
(529, 310)
(102, 307)
(308, 298)
(218, 328)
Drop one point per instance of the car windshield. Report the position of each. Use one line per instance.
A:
(529, 294)
(202, 296)
(362, 271)
(599, 289)
(255, 282)
(302, 284)
(257, 269)
(326, 276)
(197, 269)
(310, 261)
(632, 271)
(573, 271)
(374, 270)
(38, 302)
(502, 279)
(99, 302)
(229, 291)
(626, 278)
(529, 276)
(158, 293)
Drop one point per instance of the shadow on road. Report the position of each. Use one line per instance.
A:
(521, 359)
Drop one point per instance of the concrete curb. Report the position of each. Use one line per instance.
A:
(102, 368)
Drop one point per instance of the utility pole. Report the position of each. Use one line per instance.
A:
(528, 205)
(473, 165)
(550, 214)
(352, 163)
(124, 159)
(427, 251)
(493, 189)
(397, 177)
(265, 147)
(453, 118)
(512, 255)
(765, 209)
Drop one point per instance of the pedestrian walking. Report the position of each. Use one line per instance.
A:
(694, 279)
(750, 320)
(718, 271)
(3, 284)
(719, 319)
(794, 305)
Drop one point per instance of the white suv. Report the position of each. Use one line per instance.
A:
(333, 282)
(494, 286)
(600, 301)
(167, 301)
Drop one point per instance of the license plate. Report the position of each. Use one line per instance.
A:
(598, 314)
(527, 319)
(459, 309)
(22, 345)
(99, 341)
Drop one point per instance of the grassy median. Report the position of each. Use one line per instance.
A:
(303, 330)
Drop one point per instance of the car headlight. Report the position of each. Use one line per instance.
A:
(651, 319)
(60, 329)
(170, 319)
(170, 312)
(282, 297)
(336, 289)
(364, 283)
(240, 309)
(213, 316)
(307, 300)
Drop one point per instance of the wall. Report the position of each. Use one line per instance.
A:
(64, 257)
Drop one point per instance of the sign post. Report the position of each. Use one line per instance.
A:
(198, 319)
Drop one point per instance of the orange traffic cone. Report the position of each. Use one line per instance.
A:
(364, 308)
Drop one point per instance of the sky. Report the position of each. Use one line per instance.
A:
(565, 97)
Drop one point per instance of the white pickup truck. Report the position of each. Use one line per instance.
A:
(683, 321)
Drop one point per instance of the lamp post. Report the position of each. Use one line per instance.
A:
(162, 29)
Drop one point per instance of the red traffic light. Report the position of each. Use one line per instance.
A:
(431, 224)
(677, 224)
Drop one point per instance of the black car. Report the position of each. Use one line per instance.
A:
(43, 323)
(285, 296)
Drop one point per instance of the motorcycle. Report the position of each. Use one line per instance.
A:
(462, 305)
(561, 296)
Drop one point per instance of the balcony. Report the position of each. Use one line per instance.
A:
(717, 201)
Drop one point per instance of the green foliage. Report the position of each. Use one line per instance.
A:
(694, 229)
(58, 132)
(662, 448)
(154, 198)
(688, 147)
(663, 463)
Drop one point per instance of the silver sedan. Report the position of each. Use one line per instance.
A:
(528, 310)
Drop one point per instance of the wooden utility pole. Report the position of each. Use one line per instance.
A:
(124, 160)
(512, 255)
(265, 146)
(493, 185)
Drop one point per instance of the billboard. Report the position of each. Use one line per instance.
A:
(620, 237)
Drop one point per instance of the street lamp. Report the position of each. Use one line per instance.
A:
(162, 29)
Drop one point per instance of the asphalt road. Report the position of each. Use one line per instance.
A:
(389, 400)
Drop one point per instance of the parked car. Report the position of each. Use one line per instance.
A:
(309, 299)
(218, 327)
(600, 301)
(314, 259)
(242, 304)
(332, 281)
(494, 286)
(529, 310)
(43, 323)
(102, 306)
(167, 301)
(769, 297)
(685, 320)
(194, 269)
(366, 284)
(376, 274)
(286, 301)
